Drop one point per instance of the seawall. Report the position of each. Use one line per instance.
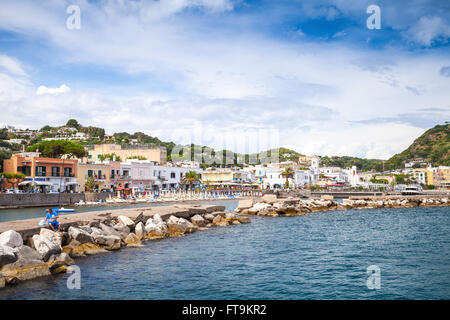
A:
(24, 200)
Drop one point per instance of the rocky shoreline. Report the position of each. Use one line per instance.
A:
(271, 206)
(47, 252)
(35, 252)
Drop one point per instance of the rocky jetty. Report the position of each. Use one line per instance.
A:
(271, 206)
(47, 252)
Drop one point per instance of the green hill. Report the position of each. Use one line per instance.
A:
(433, 145)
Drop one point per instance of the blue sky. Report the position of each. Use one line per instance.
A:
(217, 72)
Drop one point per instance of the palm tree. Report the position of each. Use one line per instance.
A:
(190, 178)
(287, 173)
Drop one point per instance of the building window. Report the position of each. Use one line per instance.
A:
(55, 171)
(41, 171)
(67, 172)
(90, 156)
(172, 175)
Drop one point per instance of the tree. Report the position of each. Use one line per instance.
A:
(110, 156)
(287, 173)
(72, 123)
(13, 178)
(190, 178)
(3, 134)
(58, 148)
(90, 184)
(4, 155)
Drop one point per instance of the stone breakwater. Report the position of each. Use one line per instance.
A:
(29, 252)
(271, 206)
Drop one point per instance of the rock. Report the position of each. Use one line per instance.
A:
(140, 230)
(11, 239)
(122, 229)
(7, 255)
(327, 197)
(175, 226)
(269, 198)
(76, 249)
(132, 240)
(217, 219)
(153, 230)
(126, 221)
(235, 222)
(2, 281)
(109, 242)
(45, 246)
(109, 231)
(209, 217)
(28, 265)
(230, 216)
(80, 235)
(86, 228)
(261, 206)
(198, 220)
(51, 235)
(57, 261)
(157, 219)
(245, 204)
(244, 219)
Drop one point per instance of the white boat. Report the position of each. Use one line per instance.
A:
(412, 190)
(65, 210)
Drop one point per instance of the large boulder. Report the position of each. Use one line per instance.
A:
(109, 231)
(55, 262)
(154, 230)
(198, 220)
(7, 255)
(80, 235)
(126, 221)
(28, 265)
(261, 206)
(11, 239)
(122, 229)
(139, 230)
(132, 240)
(209, 217)
(45, 246)
(157, 218)
(51, 235)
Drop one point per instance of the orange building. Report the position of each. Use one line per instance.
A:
(49, 174)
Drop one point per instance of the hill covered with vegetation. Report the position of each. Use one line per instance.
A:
(433, 146)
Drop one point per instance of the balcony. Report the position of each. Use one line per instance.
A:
(97, 177)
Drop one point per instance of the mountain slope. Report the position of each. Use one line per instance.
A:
(433, 145)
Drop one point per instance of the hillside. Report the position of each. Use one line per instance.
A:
(433, 145)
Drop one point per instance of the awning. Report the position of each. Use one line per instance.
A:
(39, 183)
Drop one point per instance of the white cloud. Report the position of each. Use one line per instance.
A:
(428, 30)
(44, 90)
(313, 93)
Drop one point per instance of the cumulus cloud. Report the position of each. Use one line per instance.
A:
(429, 30)
(45, 90)
(228, 78)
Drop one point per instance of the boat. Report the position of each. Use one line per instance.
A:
(65, 210)
(412, 190)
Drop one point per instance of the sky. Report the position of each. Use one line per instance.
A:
(237, 74)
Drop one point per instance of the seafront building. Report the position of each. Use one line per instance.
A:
(100, 173)
(44, 174)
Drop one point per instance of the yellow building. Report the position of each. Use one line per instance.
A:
(101, 173)
(223, 176)
(156, 154)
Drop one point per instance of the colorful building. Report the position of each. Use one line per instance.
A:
(45, 174)
(99, 172)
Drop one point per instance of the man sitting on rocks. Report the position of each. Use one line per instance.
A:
(52, 218)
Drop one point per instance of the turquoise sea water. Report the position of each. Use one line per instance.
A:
(322, 255)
